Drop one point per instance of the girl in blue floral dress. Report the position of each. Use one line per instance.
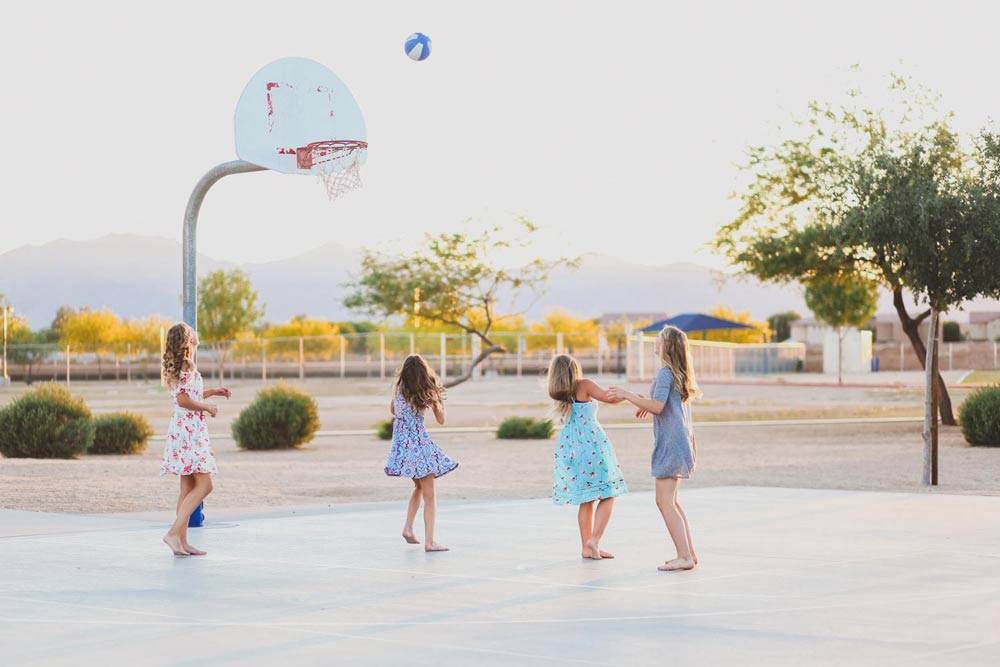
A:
(586, 469)
(413, 454)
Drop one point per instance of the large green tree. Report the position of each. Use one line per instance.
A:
(790, 225)
(895, 195)
(228, 305)
(842, 301)
(455, 279)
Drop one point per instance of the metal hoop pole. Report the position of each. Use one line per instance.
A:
(190, 260)
(190, 242)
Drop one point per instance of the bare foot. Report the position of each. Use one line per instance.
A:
(434, 546)
(193, 551)
(604, 554)
(410, 537)
(676, 565)
(174, 544)
(591, 550)
(694, 557)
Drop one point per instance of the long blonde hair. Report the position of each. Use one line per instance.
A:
(418, 385)
(675, 354)
(175, 353)
(564, 374)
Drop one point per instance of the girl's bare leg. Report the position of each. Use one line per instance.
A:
(202, 487)
(187, 484)
(430, 513)
(601, 517)
(666, 492)
(411, 514)
(687, 528)
(585, 517)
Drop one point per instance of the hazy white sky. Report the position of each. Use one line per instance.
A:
(614, 125)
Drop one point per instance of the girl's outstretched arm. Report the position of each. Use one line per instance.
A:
(188, 403)
(594, 390)
(648, 404)
(439, 413)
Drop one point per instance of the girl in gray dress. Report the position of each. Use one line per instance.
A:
(674, 450)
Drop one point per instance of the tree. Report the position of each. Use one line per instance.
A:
(455, 279)
(758, 334)
(92, 330)
(931, 210)
(227, 306)
(791, 223)
(842, 301)
(781, 324)
(578, 332)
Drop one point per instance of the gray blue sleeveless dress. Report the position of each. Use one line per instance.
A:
(586, 468)
(673, 431)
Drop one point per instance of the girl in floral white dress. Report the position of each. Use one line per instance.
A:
(188, 452)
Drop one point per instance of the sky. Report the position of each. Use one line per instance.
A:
(617, 127)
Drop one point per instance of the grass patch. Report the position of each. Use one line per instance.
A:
(982, 377)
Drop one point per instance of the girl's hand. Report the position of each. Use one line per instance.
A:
(225, 393)
(212, 410)
(617, 394)
(641, 414)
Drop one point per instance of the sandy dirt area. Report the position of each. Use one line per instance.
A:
(343, 469)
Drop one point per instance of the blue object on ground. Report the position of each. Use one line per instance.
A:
(197, 519)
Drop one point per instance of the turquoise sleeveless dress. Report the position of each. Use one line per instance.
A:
(586, 468)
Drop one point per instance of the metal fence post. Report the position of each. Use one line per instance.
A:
(444, 357)
(520, 353)
(477, 371)
(128, 363)
(902, 366)
(639, 355)
(67, 364)
(302, 360)
(263, 360)
(381, 355)
(413, 343)
(559, 343)
(343, 359)
(600, 350)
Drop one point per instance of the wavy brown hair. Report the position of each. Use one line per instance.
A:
(564, 374)
(418, 385)
(675, 354)
(175, 353)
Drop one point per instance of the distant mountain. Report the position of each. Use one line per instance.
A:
(140, 275)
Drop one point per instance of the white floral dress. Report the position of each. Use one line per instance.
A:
(188, 448)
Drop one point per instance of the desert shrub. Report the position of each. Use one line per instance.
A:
(46, 423)
(524, 428)
(951, 332)
(383, 430)
(980, 417)
(120, 433)
(279, 417)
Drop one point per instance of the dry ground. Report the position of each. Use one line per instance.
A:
(339, 469)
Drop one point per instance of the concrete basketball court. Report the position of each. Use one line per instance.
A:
(788, 577)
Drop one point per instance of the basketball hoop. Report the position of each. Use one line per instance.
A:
(336, 163)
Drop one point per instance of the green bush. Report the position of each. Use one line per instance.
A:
(524, 428)
(980, 417)
(383, 430)
(46, 423)
(279, 417)
(951, 332)
(120, 433)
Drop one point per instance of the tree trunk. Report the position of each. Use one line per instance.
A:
(911, 327)
(840, 355)
(475, 362)
(930, 407)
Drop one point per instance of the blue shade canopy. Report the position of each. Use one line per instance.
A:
(688, 322)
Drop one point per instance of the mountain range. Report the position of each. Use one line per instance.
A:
(141, 275)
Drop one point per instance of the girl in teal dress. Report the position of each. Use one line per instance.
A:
(586, 469)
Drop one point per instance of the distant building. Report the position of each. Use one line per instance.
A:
(635, 319)
(809, 331)
(983, 326)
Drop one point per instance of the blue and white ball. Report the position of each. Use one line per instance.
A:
(418, 46)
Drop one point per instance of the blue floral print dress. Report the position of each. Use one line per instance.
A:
(413, 453)
(586, 468)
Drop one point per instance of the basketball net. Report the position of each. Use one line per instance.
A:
(336, 163)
